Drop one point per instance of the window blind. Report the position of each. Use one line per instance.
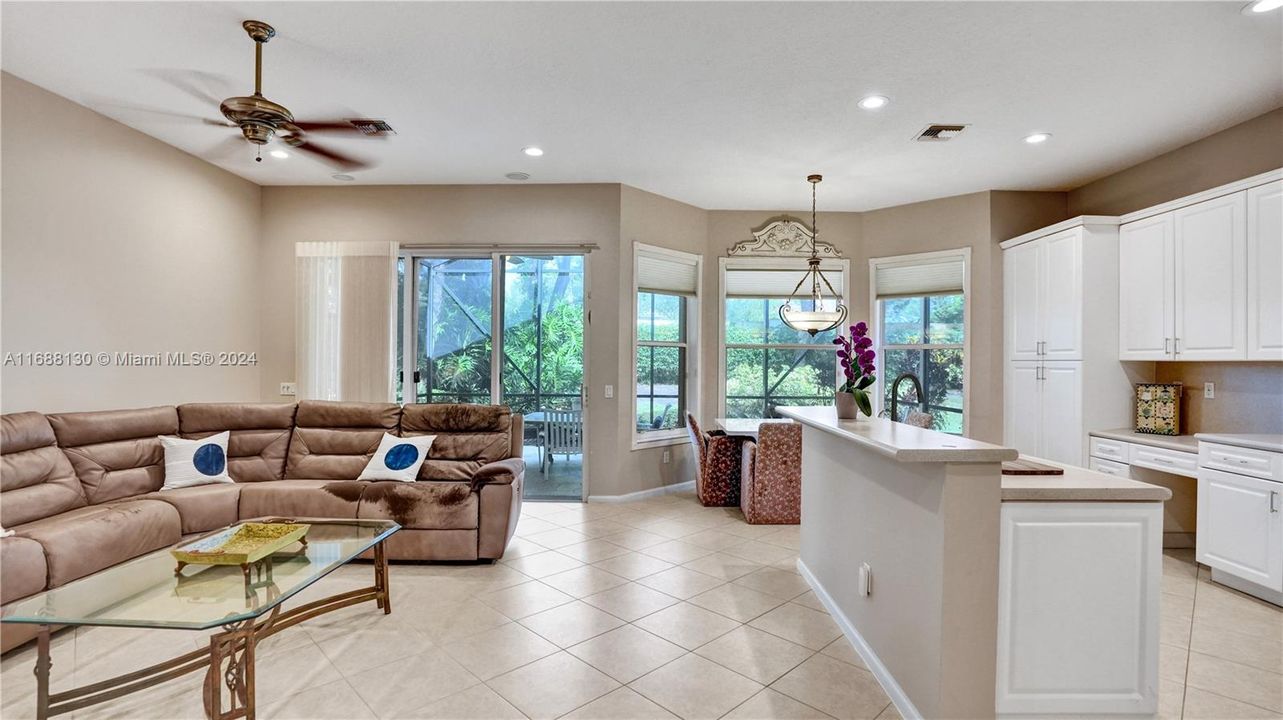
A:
(666, 273)
(776, 283)
(920, 278)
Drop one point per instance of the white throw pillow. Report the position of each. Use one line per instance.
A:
(195, 462)
(398, 458)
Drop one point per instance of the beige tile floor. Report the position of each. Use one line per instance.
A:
(653, 609)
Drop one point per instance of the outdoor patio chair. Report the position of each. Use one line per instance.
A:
(563, 434)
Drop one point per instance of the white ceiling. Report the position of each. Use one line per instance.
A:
(722, 105)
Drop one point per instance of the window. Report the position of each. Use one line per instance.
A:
(661, 361)
(921, 328)
(766, 363)
(667, 297)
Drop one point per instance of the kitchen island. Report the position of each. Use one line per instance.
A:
(968, 599)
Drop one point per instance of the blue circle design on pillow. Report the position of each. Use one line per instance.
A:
(401, 456)
(209, 459)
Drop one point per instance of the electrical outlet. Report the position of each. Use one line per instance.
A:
(610, 391)
(1209, 390)
(668, 456)
(288, 389)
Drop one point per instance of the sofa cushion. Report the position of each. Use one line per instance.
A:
(468, 436)
(35, 477)
(116, 453)
(260, 435)
(23, 570)
(421, 505)
(335, 440)
(203, 507)
(88, 539)
(301, 499)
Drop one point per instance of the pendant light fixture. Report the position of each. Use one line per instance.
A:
(816, 318)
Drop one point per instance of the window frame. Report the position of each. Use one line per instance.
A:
(875, 323)
(690, 382)
(767, 263)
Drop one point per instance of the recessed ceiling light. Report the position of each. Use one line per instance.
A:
(1037, 138)
(532, 151)
(873, 102)
(518, 176)
(279, 154)
(343, 176)
(1262, 6)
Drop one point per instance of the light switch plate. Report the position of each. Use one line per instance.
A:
(1209, 390)
(288, 389)
(610, 391)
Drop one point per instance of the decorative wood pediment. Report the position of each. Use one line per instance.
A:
(783, 237)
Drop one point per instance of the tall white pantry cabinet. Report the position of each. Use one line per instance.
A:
(1061, 337)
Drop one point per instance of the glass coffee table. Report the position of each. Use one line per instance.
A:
(147, 592)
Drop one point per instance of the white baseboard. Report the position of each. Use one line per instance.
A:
(643, 494)
(862, 648)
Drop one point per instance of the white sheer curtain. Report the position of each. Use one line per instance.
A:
(345, 310)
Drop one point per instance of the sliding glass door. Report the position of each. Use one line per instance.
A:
(508, 329)
(453, 336)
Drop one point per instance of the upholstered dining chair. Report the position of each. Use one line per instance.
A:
(771, 476)
(717, 479)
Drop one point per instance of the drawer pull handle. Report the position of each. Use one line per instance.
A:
(1273, 505)
(1241, 461)
(1163, 460)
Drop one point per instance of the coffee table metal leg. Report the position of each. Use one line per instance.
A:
(44, 664)
(235, 648)
(381, 578)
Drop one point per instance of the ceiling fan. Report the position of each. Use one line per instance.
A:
(261, 120)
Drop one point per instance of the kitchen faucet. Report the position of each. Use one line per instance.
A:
(895, 395)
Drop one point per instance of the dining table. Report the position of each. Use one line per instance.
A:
(746, 426)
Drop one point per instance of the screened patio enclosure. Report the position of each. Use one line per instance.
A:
(505, 329)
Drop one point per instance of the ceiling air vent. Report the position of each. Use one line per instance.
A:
(372, 127)
(940, 133)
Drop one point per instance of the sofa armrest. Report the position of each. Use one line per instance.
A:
(500, 472)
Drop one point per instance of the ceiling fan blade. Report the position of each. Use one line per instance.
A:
(331, 157)
(327, 126)
(163, 113)
(203, 86)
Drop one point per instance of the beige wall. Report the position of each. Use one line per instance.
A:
(1247, 149)
(653, 220)
(116, 242)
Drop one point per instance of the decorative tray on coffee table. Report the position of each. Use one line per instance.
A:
(241, 544)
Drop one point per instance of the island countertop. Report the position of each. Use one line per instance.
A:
(905, 443)
(1078, 485)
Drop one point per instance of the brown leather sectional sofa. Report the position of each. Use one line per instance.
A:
(81, 491)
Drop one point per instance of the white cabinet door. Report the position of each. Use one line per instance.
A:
(1240, 526)
(1211, 279)
(1146, 270)
(1079, 597)
(1023, 410)
(1061, 413)
(1061, 308)
(1022, 266)
(1265, 272)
